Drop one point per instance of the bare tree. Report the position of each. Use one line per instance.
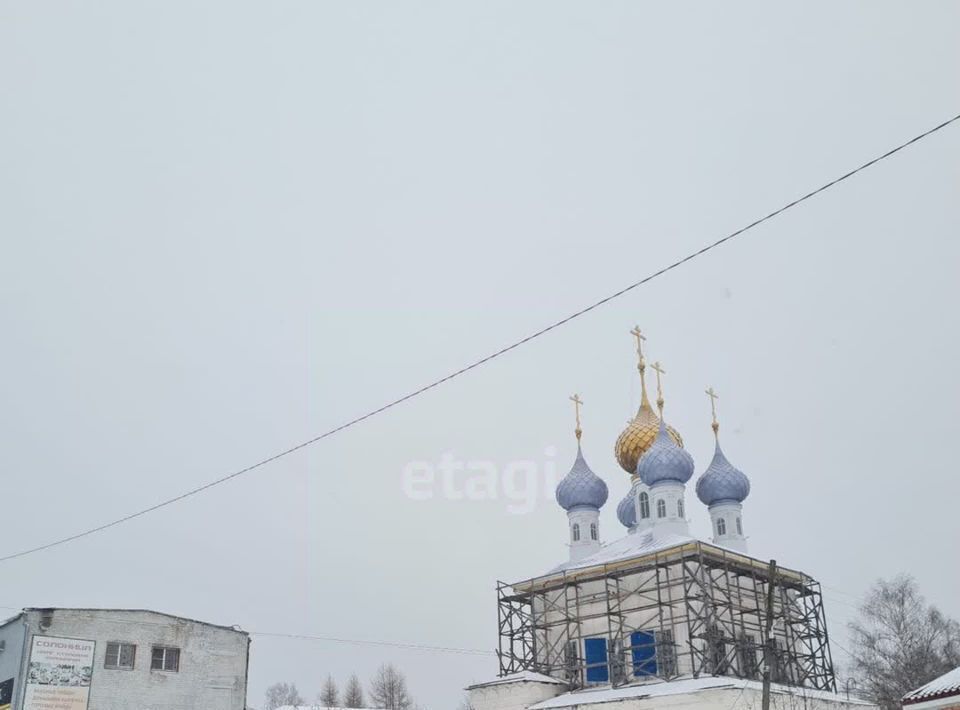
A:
(465, 703)
(353, 693)
(330, 696)
(389, 689)
(280, 694)
(900, 642)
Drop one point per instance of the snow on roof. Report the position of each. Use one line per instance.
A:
(630, 545)
(679, 687)
(521, 677)
(638, 544)
(650, 690)
(6, 620)
(108, 611)
(947, 684)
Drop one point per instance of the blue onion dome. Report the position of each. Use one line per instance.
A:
(665, 460)
(722, 481)
(581, 487)
(627, 510)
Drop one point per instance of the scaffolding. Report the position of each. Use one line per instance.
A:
(688, 610)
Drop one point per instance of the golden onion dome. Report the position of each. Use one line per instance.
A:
(639, 435)
(641, 431)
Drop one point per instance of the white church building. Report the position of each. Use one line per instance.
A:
(658, 618)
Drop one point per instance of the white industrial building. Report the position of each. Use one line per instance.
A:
(658, 618)
(117, 659)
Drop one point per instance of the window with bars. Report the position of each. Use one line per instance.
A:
(644, 505)
(120, 656)
(661, 508)
(165, 658)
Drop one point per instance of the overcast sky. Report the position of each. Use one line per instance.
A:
(229, 226)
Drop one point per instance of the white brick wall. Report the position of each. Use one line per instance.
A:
(213, 660)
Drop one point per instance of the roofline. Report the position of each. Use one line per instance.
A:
(950, 692)
(635, 692)
(680, 550)
(235, 629)
(502, 681)
(16, 617)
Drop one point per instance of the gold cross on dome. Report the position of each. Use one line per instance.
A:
(658, 368)
(640, 340)
(576, 406)
(713, 408)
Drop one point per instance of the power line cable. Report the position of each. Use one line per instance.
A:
(327, 639)
(391, 644)
(482, 361)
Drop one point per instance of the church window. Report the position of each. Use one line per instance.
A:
(716, 651)
(595, 651)
(643, 649)
(739, 527)
(747, 652)
(781, 670)
(618, 665)
(593, 531)
(666, 653)
(661, 508)
(576, 532)
(572, 663)
(721, 527)
(653, 653)
(680, 507)
(644, 505)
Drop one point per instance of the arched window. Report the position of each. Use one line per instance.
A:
(576, 532)
(593, 531)
(739, 527)
(680, 507)
(721, 527)
(644, 505)
(661, 508)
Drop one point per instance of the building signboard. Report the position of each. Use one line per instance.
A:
(59, 674)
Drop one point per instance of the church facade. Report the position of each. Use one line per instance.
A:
(658, 613)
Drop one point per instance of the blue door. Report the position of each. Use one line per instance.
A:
(595, 650)
(644, 650)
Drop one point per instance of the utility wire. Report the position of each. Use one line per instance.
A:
(391, 644)
(330, 639)
(484, 360)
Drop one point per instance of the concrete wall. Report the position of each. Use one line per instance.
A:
(725, 699)
(213, 660)
(519, 696)
(643, 607)
(511, 696)
(12, 636)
